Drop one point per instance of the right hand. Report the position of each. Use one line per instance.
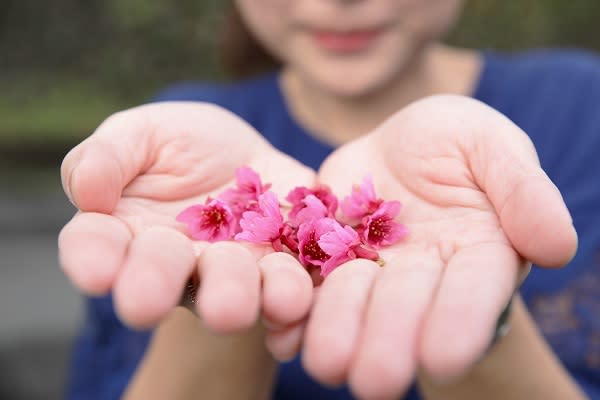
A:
(130, 179)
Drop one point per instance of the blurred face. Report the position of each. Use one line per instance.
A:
(348, 47)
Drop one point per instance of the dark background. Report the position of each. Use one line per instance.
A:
(65, 65)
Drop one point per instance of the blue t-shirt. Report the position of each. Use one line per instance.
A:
(554, 96)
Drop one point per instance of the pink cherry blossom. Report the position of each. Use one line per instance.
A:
(249, 211)
(248, 181)
(343, 244)
(212, 222)
(338, 244)
(313, 209)
(288, 238)
(381, 229)
(362, 201)
(309, 233)
(264, 225)
(244, 197)
(321, 192)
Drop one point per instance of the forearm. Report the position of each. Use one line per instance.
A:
(185, 361)
(520, 366)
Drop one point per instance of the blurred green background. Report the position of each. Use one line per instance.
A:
(67, 64)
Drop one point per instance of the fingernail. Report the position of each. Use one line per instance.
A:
(67, 187)
(71, 179)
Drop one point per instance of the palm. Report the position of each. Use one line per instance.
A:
(192, 167)
(132, 177)
(172, 184)
(446, 210)
(468, 211)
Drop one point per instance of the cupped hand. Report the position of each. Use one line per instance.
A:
(477, 206)
(131, 178)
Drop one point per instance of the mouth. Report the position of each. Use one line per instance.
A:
(346, 42)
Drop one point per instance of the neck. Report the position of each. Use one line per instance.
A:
(339, 119)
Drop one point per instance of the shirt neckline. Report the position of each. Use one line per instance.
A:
(478, 93)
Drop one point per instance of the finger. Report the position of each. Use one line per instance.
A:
(92, 250)
(229, 295)
(153, 276)
(531, 208)
(535, 219)
(95, 172)
(386, 359)
(476, 286)
(285, 343)
(287, 289)
(335, 321)
(129, 143)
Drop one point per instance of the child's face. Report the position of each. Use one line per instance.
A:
(348, 47)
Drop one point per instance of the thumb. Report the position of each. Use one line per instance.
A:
(132, 142)
(530, 207)
(95, 172)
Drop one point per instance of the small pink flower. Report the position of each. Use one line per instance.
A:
(244, 196)
(309, 233)
(264, 225)
(248, 181)
(343, 244)
(362, 201)
(288, 238)
(213, 221)
(338, 244)
(313, 209)
(380, 228)
(250, 212)
(321, 192)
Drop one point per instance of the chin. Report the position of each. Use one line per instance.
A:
(351, 81)
(350, 88)
(359, 75)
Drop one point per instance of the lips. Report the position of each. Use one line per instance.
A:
(346, 42)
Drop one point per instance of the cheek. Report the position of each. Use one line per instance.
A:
(431, 19)
(267, 20)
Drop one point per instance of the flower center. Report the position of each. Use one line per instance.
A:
(214, 215)
(378, 229)
(314, 251)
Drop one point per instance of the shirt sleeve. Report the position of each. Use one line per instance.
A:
(105, 354)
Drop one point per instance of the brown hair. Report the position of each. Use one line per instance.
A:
(240, 55)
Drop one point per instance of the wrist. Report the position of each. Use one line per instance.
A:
(520, 365)
(185, 360)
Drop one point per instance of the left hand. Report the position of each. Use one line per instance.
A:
(477, 205)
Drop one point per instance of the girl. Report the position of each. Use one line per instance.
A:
(327, 75)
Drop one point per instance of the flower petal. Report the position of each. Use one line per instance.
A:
(313, 209)
(264, 225)
(211, 222)
(362, 201)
